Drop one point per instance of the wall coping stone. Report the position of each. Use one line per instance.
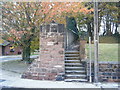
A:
(104, 62)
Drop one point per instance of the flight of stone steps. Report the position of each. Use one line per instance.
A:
(74, 69)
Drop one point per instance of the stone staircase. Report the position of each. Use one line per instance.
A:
(74, 68)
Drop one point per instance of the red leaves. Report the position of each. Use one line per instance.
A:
(16, 34)
(10, 39)
(60, 9)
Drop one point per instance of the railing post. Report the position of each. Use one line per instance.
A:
(90, 58)
(96, 40)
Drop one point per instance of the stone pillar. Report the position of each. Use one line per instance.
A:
(51, 57)
(82, 49)
(50, 64)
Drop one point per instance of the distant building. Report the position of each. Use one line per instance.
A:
(6, 48)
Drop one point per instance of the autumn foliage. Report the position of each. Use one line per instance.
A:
(59, 10)
(45, 12)
(22, 20)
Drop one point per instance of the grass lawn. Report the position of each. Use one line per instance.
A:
(107, 52)
(15, 66)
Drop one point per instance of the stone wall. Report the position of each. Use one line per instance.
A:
(6, 50)
(51, 61)
(108, 71)
(82, 49)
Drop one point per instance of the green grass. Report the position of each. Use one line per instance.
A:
(34, 54)
(107, 52)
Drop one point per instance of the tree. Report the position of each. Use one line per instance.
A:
(59, 12)
(35, 44)
(108, 18)
(108, 14)
(72, 26)
(21, 21)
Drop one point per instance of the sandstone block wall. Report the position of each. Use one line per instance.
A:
(82, 49)
(51, 60)
(108, 71)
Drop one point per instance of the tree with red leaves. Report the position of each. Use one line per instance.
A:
(22, 20)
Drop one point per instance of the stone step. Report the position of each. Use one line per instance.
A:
(75, 80)
(72, 60)
(75, 71)
(75, 75)
(72, 52)
(72, 55)
(73, 64)
(74, 68)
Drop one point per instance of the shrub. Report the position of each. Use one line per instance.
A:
(105, 39)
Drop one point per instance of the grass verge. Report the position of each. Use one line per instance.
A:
(107, 52)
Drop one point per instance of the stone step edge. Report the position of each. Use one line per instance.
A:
(72, 57)
(84, 80)
(73, 64)
(73, 67)
(72, 71)
(72, 54)
(74, 75)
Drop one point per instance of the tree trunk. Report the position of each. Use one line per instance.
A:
(104, 30)
(26, 54)
(90, 30)
(107, 25)
(23, 54)
(116, 26)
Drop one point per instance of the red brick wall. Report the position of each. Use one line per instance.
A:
(7, 50)
(51, 61)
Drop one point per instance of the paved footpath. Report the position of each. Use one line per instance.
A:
(14, 80)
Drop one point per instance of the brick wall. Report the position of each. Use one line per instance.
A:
(17, 50)
(51, 60)
(108, 71)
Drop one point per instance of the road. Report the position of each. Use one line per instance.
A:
(14, 57)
